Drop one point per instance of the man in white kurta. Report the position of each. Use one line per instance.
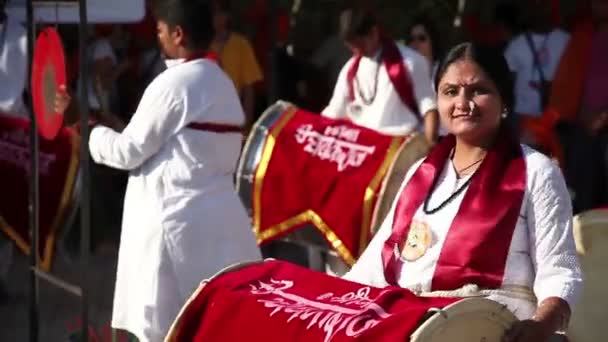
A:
(398, 103)
(541, 261)
(182, 219)
(548, 47)
(386, 113)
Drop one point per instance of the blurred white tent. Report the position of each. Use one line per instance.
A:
(98, 11)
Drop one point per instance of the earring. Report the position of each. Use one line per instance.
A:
(504, 113)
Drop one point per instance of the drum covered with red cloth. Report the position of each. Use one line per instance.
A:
(277, 301)
(321, 181)
(59, 163)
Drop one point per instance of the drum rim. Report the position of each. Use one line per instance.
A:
(585, 221)
(259, 133)
(412, 138)
(177, 322)
(499, 314)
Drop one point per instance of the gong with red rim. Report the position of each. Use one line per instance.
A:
(48, 74)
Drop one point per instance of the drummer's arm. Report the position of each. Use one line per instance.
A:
(558, 280)
(425, 97)
(431, 126)
(157, 118)
(336, 109)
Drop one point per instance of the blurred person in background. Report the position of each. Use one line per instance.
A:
(423, 37)
(236, 57)
(396, 103)
(578, 106)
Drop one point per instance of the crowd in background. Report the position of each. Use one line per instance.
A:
(557, 60)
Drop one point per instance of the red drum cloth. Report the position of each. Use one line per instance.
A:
(58, 168)
(278, 301)
(321, 171)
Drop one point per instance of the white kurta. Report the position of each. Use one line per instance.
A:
(542, 254)
(387, 113)
(182, 219)
(13, 68)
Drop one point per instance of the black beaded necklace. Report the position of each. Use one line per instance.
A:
(455, 194)
(370, 100)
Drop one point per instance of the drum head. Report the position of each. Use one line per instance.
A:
(591, 236)
(252, 152)
(48, 74)
(412, 150)
(471, 319)
(591, 228)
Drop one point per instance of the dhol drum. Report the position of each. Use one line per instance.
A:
(412, 150)
(397, 162)
(591, 237)
(346, 312)
(59, 181)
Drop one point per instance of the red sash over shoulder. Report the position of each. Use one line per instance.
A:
(475, 250)
(321, 171)
(399, 76)
(277, 301)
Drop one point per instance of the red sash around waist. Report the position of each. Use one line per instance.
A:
(215, 127)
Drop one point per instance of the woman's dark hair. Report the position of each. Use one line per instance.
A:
(362, 21)
(490, 60)
(431, 30)
(193, 16)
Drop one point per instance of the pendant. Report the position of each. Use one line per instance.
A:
(419, 240)
(355, 110)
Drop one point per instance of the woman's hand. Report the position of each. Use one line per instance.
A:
(528, 331)
(552, 315)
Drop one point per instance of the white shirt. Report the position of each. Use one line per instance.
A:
(13, 68)
(518, 54)
(182, 219)
(387, 113)
(542, 253)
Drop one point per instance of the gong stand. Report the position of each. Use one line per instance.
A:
(36, 272)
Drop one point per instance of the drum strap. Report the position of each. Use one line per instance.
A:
(472, 290)
(215, 127)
